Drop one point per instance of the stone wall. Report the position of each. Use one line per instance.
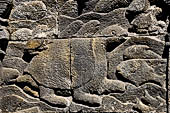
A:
(84, 56)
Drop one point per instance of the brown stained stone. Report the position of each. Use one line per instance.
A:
(26, 79)
(30, 91)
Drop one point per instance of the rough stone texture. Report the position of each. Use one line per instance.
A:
(61, 56)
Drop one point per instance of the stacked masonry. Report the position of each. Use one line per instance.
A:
(83, 55)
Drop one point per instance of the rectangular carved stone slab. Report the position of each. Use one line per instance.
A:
(88, 60)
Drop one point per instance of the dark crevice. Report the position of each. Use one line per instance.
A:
(131, 15)
(3, 47)
(27, 57)
(3, 44)
(132, 29)
(137, 109)
(144, 101)
(4, 23)
(81, 6)
(121, 78)
(112, 44)
(165, 8)
(94, 92)
(80, 111)
(7, 12)
(165, 53)
(63, 92)
(23, 84)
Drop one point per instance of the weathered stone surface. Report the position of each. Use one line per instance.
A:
(33, 10)
(12, 103)
(71, 29)
(147, 23)
(118, 55)
(140, 52)
(31, 13)
(64, 21)
(27, 79)
(139, 71)
(15, 63)
(89, 29)
(139, 5)
(35, 46)
(48, 94)
(84, 56)
(105, 6)
(69, 9)
(15, 49)
(30, 110)
(114, 105)
(105, 19)
(89, 5)
(13, 99)
(113, 30)
(15, 90)
(4, 34)
(89, 73)
(28, 90)
(22, 34)
(86, 50)
(50, 21)
(51, 67)
(42, 32)
(9, 74)
(149, 95)
(74, 107)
